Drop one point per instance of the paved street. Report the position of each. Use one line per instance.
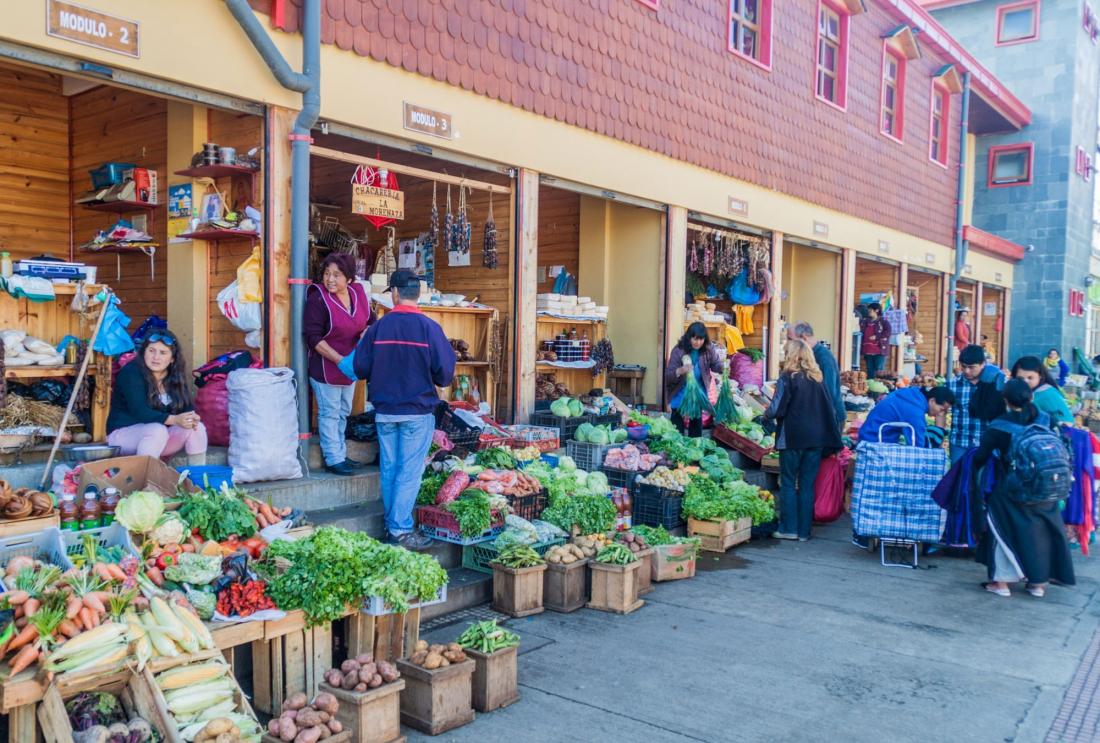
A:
(803, 642)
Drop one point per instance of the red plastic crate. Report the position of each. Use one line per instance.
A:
(736, 441)
(440, 523)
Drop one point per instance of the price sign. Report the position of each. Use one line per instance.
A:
(91, 28)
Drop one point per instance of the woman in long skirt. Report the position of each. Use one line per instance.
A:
(1023, 542)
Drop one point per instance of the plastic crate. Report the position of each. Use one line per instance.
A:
(478, 556)
(737, 442)
(377, 607)
(105, 536)
(615, 420)
(589, 457)
(440, 524)
(654, 506)
(45, 545)
(109, 174)
(210, 475)
(566, 426)
(543, 438)
(617, 478)
(528, 507)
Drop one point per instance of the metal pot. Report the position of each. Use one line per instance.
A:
(89, 452)
(227, 155)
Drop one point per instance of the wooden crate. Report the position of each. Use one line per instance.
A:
(386, 637)
(496, 678)
(518, 591)
(719, 536)
(437, 701)
(645, 573)
(372, 716)
(171, 734)
(131, 688)
(615, 587)
(673, 562)
(290, 663)
(342, 737)
(565, 587)
(19, 527)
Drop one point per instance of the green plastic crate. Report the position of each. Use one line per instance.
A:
(478, 556)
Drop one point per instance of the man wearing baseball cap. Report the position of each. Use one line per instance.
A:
(404, 357)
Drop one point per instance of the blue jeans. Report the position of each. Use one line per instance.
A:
(333, 408)
(874, 363)
(402, 449)
(797, 473)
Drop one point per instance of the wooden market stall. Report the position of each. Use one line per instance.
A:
(877, 281)
(925, 300)
(990, 323)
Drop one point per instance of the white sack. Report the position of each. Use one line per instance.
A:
(263, 425)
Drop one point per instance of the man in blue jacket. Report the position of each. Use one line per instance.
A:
(910, 405)
(404, 357)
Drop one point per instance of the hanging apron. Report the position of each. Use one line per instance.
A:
(344, 328)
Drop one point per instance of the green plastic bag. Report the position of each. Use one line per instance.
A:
(725, 411)
(695, 400)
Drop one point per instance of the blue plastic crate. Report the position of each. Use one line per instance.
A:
(109, 174)
(211, 475)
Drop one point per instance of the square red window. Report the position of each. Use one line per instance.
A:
(750, 31)
(1018, 23)
(1010, 165)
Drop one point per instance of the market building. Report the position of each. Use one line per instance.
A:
(1034, 187)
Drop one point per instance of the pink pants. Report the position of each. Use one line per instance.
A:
(158, 440)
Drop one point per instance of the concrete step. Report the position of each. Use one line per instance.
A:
(320, 490)
(466, 588)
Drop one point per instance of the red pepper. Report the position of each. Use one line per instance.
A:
(166, 559)
(255, 546)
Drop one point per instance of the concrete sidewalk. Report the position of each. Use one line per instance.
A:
(806, 641)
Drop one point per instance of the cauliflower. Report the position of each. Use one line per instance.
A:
(170, 529)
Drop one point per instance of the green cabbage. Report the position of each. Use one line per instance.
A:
(599, 435)
(583, 432)
(618, 436)
(193, 568)
(745, 413)
(139, 511)
(560, 407)
(755, 434)
(566, 464)
(575, 408)
(597, 483)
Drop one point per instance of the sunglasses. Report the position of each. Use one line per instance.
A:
(160, 338)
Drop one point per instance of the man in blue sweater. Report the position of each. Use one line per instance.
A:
(404, 357)
(910, 405)
(830, 372)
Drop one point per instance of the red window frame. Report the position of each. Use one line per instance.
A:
(763, 29)
(994, 152)
(939, 145)
(1009, 8)
(895, 132)
(841, 43)
(1083, 166)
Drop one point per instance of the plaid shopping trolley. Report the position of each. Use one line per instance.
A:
(892, 497)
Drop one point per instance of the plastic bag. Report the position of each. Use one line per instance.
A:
(242, 315)
(250, 278)
(361, 427)
(113, 339)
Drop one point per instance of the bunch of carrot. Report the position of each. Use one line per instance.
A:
(266, 515)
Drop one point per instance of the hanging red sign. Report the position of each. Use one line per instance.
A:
(382, 185)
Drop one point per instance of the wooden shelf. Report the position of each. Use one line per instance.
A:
(547, 366)
(121, 207)
(219, 235)
(478, 364)
(569, 320)
(70, 289)
(217, 171)
(45, 372)
(142, 248)
(457, 310)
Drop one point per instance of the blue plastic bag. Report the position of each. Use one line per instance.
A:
(740, 292)
(113, 339)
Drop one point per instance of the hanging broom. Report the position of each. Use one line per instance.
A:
(695, 400)
(725, 411)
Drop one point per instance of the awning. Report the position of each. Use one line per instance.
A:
(998, 247)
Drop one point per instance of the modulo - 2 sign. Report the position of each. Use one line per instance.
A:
(92, 28)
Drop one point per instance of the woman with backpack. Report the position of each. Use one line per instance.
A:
(1025, 537)
(1044, 389)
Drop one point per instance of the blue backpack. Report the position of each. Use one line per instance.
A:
(1039, 467)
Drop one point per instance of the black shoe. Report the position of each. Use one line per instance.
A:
(340, 469)
(414, 541)
(355, 463)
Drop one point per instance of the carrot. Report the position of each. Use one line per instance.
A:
(116, 572)
(93, 602)
(72, 607)
(155, 575)
(15, 598)
(261, 521)
(18, 611)
(252, 505)
(26, 635)
(21, 622)
(24, 658)
(30, 606)
(93, 618)
(268, 514)
(68, 628)
(101, 571)
(86, 617)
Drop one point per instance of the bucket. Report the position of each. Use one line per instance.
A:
(208, 475)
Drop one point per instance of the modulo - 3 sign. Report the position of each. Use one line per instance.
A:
(91, 27)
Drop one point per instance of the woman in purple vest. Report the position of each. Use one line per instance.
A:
(337, 314)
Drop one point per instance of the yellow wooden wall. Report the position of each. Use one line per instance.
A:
(34, 164)
(116, 125)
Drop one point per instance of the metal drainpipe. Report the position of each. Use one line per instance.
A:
(308, 83)
(960, 243)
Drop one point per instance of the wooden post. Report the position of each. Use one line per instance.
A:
(947, 313)
(774, 337)
(277, 261)
(1006, 305)
(674, 257)
(903, 303)
(526, 287)
(847, 304)
(976, 316)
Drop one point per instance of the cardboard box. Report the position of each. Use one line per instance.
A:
(133, 473)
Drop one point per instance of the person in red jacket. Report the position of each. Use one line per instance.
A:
(876, 340)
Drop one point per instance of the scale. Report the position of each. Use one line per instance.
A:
(49, 268)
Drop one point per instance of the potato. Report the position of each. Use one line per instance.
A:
(418, 657)
(325, 732)
(375, 682)
(272, 726)
(364, 658)
(437, 648)
(294, 701)
(349, 665)
(350, 680)
(445, 662)
(226, 738)
(335, 726)
(567, 559)
(312, 735)
(325, 702)
(433, 660)
(334, 678)
(421, 645)
(360, 687)
(576, 551)
(308, 718)
(288, 731)
(553, 557)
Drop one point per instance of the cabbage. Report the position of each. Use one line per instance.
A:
(746, 414)
(597, 483)
(566, 464)
(599, 435)
(139, 511)
(618, 436)
(756, 434)
(560, 407)
(768, 442)
(583, 432)
(575, 408)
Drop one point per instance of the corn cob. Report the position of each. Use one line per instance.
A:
(197, 628)
(104, 634)
(196, 673)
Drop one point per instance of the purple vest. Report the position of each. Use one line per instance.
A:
(344, 329)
